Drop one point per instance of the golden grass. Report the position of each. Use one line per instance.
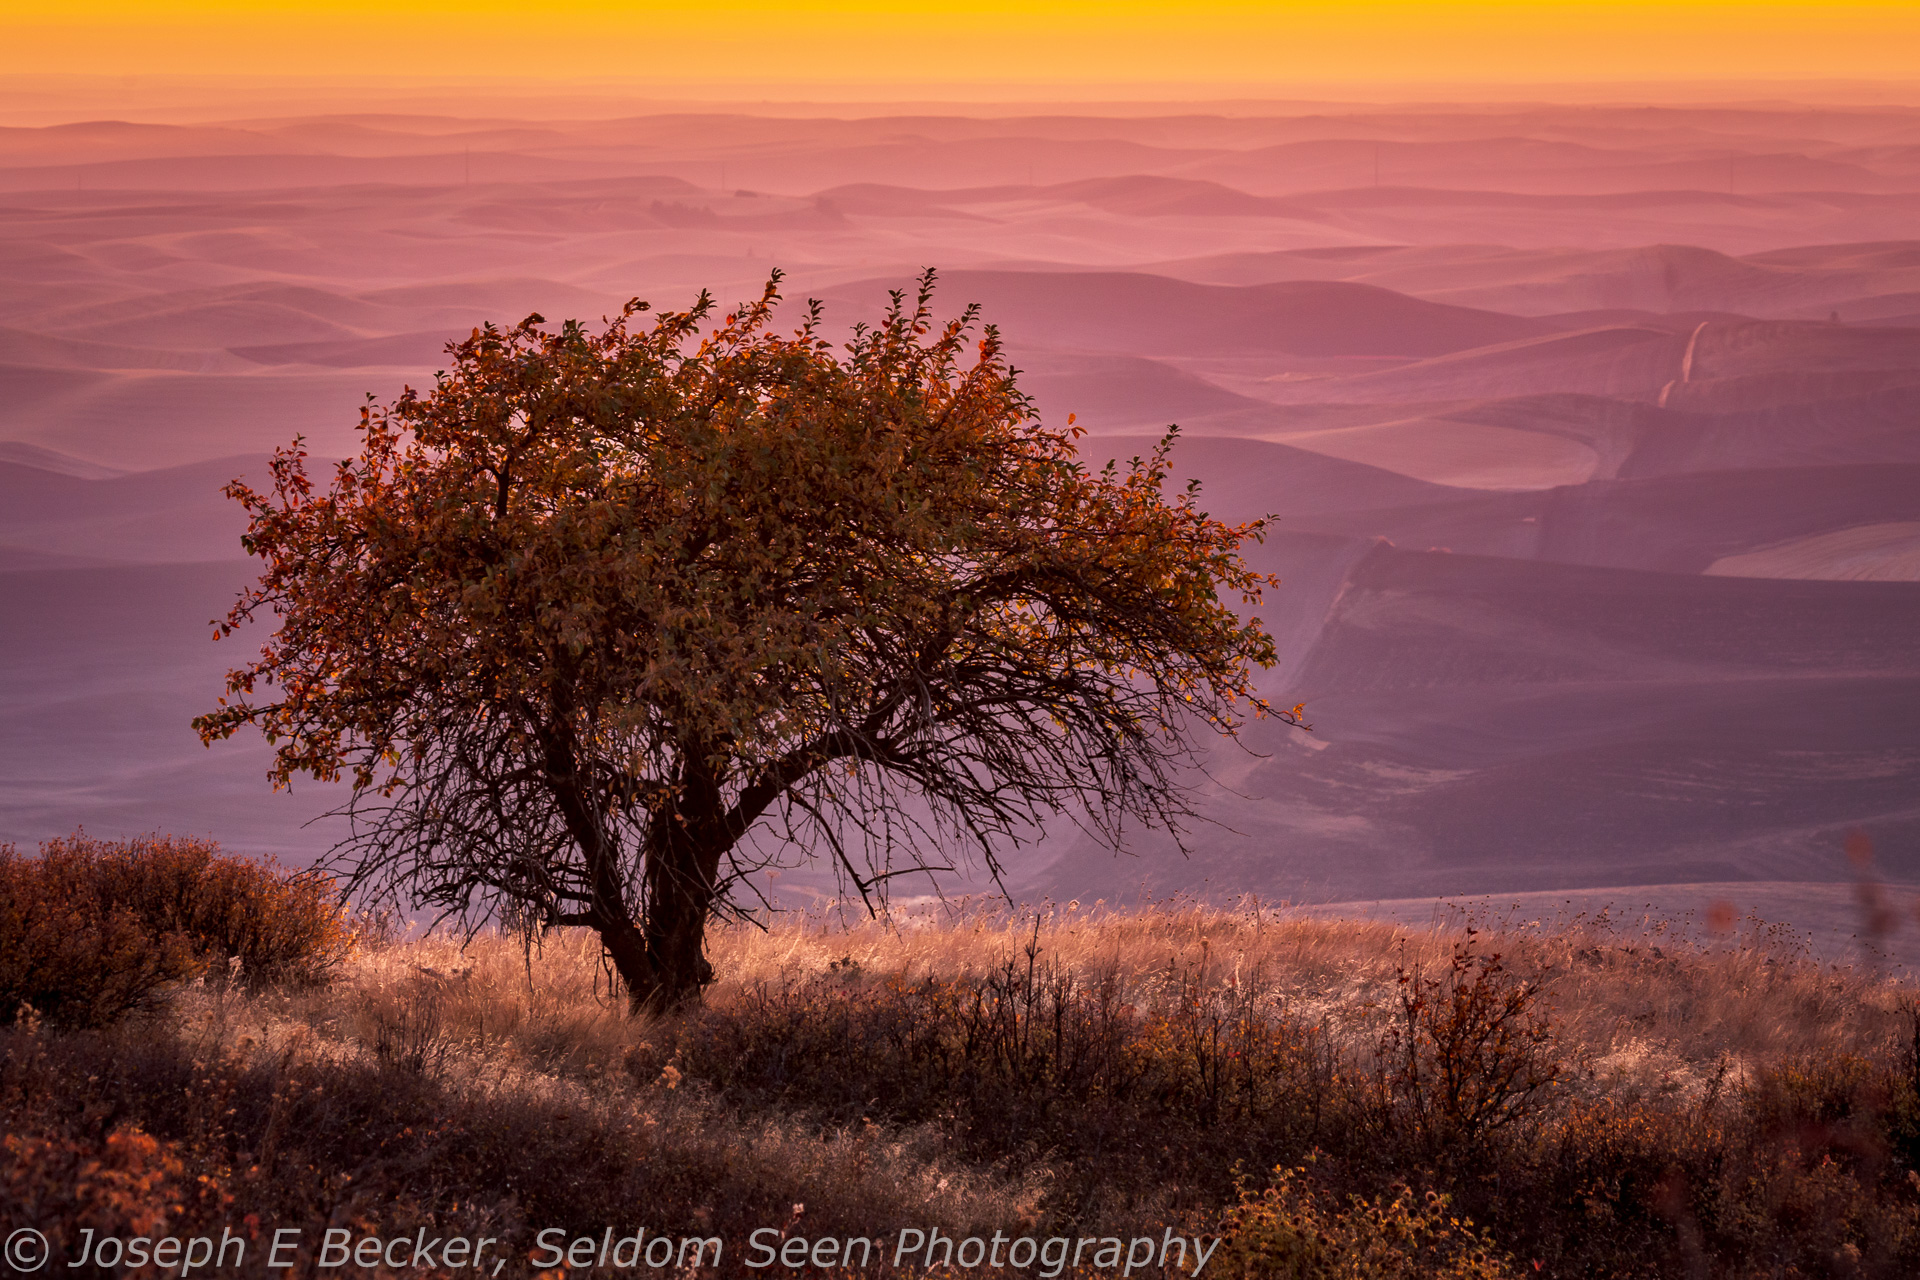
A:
(1616, 992)
(1642, 1012)
(520, 1092)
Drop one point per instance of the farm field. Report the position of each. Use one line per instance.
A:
(1590, 431)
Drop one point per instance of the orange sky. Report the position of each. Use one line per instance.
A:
(935, 43)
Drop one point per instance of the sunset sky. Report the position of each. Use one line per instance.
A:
(970, 42)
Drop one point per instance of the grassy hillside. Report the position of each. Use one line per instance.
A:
(1330, 1098)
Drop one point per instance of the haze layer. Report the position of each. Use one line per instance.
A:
(1593, 433)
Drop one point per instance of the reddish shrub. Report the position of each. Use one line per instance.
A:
(128, 1185)
(98, 928)
(73, 954)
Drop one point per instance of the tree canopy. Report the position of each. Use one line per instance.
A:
(605, 622)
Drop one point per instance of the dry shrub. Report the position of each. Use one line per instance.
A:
(1100, 1075)
(1468, 1053)
(1288, 1232)
(129, 1184)
(126, 1184)
(282, 927)
(1028, 1062)
(1828, 1147)
(102, 927)
(1797, 1173)
(301, 1134)
(72, 953)
(1138, 1057)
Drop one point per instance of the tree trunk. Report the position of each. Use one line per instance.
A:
(627, 949)
(662, 962)
(676, 933)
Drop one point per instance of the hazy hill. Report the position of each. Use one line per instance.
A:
(1591, 434)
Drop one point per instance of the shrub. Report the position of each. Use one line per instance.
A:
(99, 928)
(1816, 1181)
(1027, 1060)
(1112, 1085)
(1287, 1232)
(299, 1135)
(1469, 1052)
(126, 1185)
(285, 928)
(72, 954)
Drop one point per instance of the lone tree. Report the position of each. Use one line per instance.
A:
(606, 622)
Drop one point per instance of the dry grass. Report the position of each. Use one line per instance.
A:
(1730, 1111)
(1619, 995)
